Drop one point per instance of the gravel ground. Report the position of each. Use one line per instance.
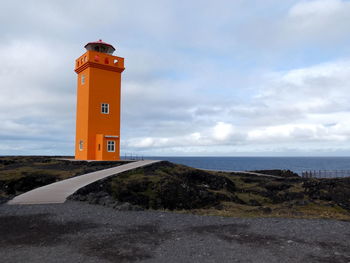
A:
(79, 232)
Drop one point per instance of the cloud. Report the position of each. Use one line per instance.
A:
(304, 32)
(231, 77)
(222, 131)
(301, 106)
(322, 22)
(296, 133)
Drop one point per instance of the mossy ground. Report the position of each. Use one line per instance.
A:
(316, 210)
(253, 196)
(19, 174)
(167, 186)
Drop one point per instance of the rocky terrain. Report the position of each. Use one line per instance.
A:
(108, 225)
(168, 186)
(81, 232)
(19, 174)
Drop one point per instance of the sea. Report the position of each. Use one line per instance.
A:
(295, 164)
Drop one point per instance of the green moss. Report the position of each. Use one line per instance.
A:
(248, 197)
(286, 195)
(29, 172)
(297, 188)
(321, 209)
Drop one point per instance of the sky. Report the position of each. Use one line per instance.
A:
(202, 78)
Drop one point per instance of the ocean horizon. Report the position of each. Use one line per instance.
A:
(295, 164)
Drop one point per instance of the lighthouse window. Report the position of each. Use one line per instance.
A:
(110, 146)
(105, 108)
(81, 143)
(82, 79)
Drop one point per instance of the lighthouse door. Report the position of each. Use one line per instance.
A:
(99, 147)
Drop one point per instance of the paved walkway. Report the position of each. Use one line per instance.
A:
(58, 192)
(245, 172)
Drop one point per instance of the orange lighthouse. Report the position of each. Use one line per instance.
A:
(98, 103)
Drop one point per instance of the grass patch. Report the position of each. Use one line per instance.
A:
(250, 195)
(19, 174)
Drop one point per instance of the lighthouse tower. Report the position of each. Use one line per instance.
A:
(98, 103)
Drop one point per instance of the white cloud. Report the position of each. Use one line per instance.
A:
(296, 133)
(321, 22)
(306, 29)
(314, 8)
(191, 85)
(222, 131)
(145, 142)
(196, 136)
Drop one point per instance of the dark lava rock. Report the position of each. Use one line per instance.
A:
(189, 189)
(265, 210)
(3, 200)
(176, 193)
(127, 207)
(301, 202)
(175, 188)
(336, 190)
(277, 186)
(169, 186)
(254, 202)
(211, 181)
(285, 196)
(28, 182)
(104, 199)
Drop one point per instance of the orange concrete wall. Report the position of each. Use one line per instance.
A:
(102, 85)
(82, 116)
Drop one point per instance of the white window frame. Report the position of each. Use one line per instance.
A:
(82, 79)
(81, 145)
(104, 108)
(111, 146)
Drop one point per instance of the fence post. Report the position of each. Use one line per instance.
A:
(324, 173)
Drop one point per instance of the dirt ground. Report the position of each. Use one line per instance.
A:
(80, 232)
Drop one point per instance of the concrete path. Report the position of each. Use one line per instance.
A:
(59, 191)
(244, 172)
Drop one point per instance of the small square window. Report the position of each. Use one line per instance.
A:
(110, 146)
(105, 108)
(82, 79)
(81, 145)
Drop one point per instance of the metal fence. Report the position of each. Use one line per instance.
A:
(326, 174)
(131, 156)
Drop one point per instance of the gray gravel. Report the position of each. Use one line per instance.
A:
(79, 232)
